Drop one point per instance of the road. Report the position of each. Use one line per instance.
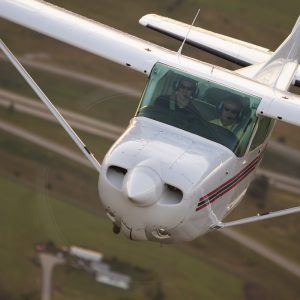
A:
(32, 107)
(118, 88)
(48, 262)
(285, 151)
(264, 251)
(107, 130)
(282, 182)
(42, 142)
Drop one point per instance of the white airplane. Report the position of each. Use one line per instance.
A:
(200, 131)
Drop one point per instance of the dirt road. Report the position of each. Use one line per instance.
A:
(48, 262)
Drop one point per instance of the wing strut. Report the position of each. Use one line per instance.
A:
(259, 217)
(50, 106)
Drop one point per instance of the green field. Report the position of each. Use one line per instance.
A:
(30, 217)
(84, 98)
(45, 196)
(54, 132)
(280, 234)
(74, 221)
(193, 269)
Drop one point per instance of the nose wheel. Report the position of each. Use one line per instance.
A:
(116, 229)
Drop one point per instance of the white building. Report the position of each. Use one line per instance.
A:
(85, 254)
(114, 279)
(101, 270)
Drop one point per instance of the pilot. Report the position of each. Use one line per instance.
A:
(230, 113)
(180, 102)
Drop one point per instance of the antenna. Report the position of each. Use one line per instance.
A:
(180, 49)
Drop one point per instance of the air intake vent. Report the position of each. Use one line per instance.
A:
(171, 195)
(115, 175)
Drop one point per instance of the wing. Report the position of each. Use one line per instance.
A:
(137, 53)
(83, 33)
(234, 50)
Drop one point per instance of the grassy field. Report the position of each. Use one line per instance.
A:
(48, 197)
(83, 98)
(280, 233)
(172, 271)
(209, 259)
(25, 212)
(54, 132)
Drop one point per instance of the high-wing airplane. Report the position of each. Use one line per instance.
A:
(200, 131)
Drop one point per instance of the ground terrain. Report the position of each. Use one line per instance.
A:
(45, 196)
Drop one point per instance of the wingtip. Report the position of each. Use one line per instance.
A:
(144, 20)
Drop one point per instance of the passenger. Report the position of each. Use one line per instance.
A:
(230, 110)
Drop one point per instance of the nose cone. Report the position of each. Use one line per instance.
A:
(143, 186)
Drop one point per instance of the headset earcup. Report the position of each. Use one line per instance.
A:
(241, 113)
(220, 108)
(176, 85)
(195, 92)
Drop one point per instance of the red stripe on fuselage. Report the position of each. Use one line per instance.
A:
(226, 185)
(230, 184)
(231, 179)
(227, 190)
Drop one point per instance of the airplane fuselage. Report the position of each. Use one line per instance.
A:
(169, 180)
(198, 182)
(191, 151)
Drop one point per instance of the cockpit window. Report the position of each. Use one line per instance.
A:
(205, 108)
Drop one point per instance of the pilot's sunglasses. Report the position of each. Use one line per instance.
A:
(234, 111)
(185, 87)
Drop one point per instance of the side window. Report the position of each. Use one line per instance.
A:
(262, 132)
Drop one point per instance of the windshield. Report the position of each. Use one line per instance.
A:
(205, 108)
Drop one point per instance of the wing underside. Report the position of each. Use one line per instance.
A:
(141, 55)
(234, 50)
(83, 33)
(136, 53)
